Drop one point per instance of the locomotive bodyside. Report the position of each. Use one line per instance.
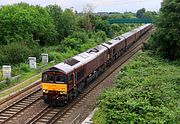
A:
(130, 38)
(116, 47)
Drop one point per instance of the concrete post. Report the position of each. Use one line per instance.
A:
(44, 58)
(32, 62)
(6, 70)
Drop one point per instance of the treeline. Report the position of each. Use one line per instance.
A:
(27, 30)
(142, 13)
(166, 40)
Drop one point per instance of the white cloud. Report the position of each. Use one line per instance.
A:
(100, 5)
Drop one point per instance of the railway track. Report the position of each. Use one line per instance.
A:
(16, 108)
(25, 91)
(52, 115)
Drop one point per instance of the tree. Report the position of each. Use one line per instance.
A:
(55, 12)
(68, 22)
(140, 13)
(22, 22)
(88, 16)
(101, 25)
(65, 21)
(150, 14)
(166, 39)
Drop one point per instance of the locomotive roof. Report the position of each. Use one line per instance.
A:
(136, 29)
(143, 26)
(128, 34)
(79, 60)
(63, 67)
(113, 42)
(140, 28)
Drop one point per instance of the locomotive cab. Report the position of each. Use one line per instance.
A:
(54, 87)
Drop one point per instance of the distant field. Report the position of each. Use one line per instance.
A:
(146, 91)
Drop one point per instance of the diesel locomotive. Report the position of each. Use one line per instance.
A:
(64, 81)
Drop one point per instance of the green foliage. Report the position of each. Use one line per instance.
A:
(22, 22)
(1, 75)
(69, 22)
(89, 44)
(117, 29)
(152, 15)
(90, 22)
(3, 85)
(140, 13)
(59, 57)
(146, 91)
(73, 43)
(65, 21)
(121, 15)
(99, 117)
(24, 68)
(82, 35)
(101, 25)
(81, 41)
(15, 53)
(166, 40)
(101, 36)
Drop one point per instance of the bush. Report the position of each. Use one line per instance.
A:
(55, 56)
(147, 91)
(24, 68)
(73, 43)
(17, 53)
(80, 35)
(101, 36)
(90, 43)
(14, 53)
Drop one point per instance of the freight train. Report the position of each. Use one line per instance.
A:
(64, 81)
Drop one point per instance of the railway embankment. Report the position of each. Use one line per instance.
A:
(146, 91)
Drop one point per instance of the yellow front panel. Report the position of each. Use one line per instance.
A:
(54, 87)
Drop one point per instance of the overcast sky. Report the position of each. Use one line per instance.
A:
(98, 5)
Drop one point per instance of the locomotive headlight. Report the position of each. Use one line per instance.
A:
(62, 92)
(45, 91)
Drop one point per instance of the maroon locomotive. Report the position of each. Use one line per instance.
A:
(62, 82)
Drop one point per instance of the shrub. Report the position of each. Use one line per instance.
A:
(80, 35)
(14, 53)
(146, 91)
(17, 53)
(73, 43)
(24, 67)
(101, 36)
(55, 56)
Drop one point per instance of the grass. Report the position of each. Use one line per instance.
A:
(20, 86)
(1, 75)
(146, 91)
